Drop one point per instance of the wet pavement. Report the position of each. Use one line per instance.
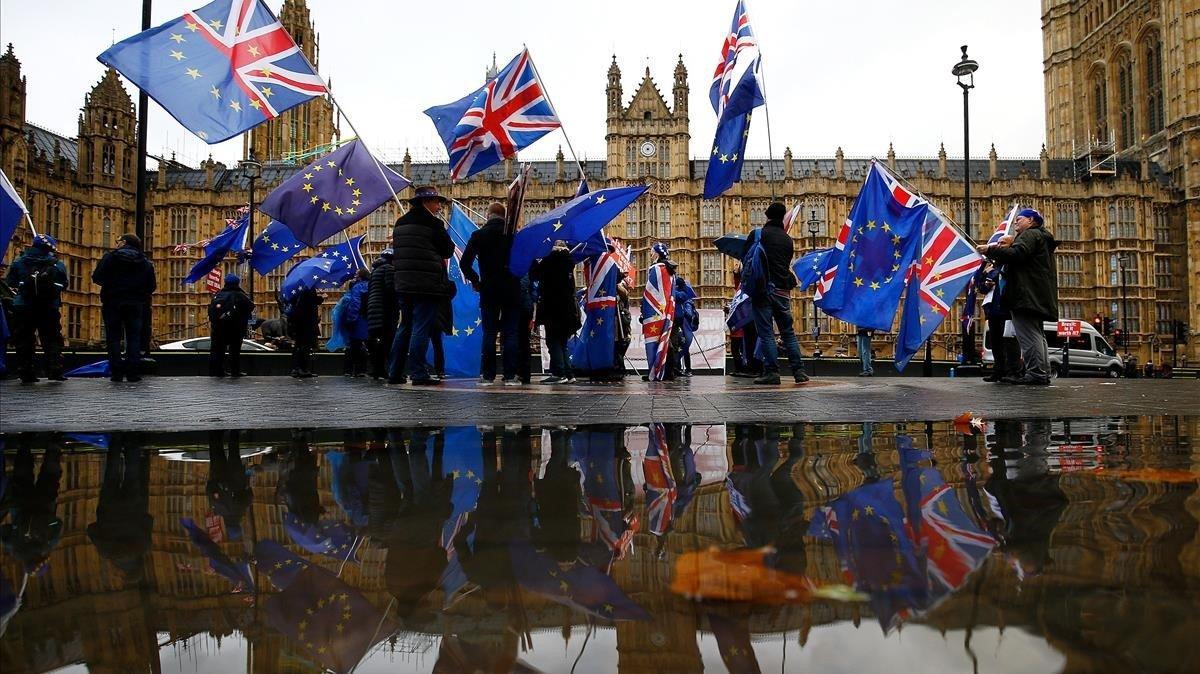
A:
(198, 403)
(1034, 545)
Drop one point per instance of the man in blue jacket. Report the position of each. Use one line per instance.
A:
(38, 278)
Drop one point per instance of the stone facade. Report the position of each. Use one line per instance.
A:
(1135, 203)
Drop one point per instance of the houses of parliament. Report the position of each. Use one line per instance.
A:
(1118, 181)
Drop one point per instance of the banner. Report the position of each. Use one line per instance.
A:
(709, 344)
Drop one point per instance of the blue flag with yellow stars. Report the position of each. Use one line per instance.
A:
(273, 247)
(464, 344)
(327, 537)
(577, 585)
(280, 565)
(332, 193)
(809, 268)
(462, 462)
(231, 240)
(237, 573)
(733, 129)
(220, 69)
(333, 267)
(326, 620)
(575, 222)
(885, 227)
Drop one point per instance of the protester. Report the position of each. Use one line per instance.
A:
(687, 322)
(1006, 354)
(744, 341)
(1030, 289)
(773, 303)
(383, 312)
(625, 325)
(499, 294)
(420, 246)
(126, 280)
(304, 327)
(38, 278)
(229, 315)
(557, 312)
(863, 337)
(355, 325)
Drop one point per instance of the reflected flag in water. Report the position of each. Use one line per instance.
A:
(462, 462)
(237, 572)
(326, 537)
(581, 587)
(329, 621)
(350, 485)
(594, 455)
(733, 641)
(866, 526)
(279, 564)
(659, 484)
(464, 344)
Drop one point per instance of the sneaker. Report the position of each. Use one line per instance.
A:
(133, 378)
(800, 376)
(483, 381)
(28, 379)
(570, 380)
(552, 380)
(427, 381)
(57, 376)
(768, 378)
(513, 382)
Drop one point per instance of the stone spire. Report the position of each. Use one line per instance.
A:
(680, 90)
(993, 168)
(613, 90)
(787, 162)
(891, 157)
(1044, 164)
(839, 164)
(942, 169)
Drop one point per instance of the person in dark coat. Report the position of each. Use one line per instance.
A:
(356, 324)
(773, 307)
(38, 278)
(1030, 289)
(228, 315)
(34, 528)
(420, 246)
(228, 486)
(126, 280)
(445, 326)
(304, 326)
(1006, 354)
(383, 312)
(121, 532)
(498, 293)
(557, 311)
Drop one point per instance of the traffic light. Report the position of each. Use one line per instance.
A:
(1108, 326)
(1181, 332)
(1118, 338)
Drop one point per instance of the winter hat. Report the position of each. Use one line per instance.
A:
(776, 211)
(45, 241)
(1032, 215)
(232, 279)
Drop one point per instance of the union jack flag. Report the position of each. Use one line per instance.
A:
(661, 490)
(492, 123)
(1002, 228)
(740, 38)
(658, 317)
(221, 69)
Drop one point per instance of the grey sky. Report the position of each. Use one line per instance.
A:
(857, 73)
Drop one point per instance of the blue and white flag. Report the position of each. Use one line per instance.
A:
(485, 127)
(235, 239)
(576, 222)
(336, 265)
(12, 209)
(463, 346)
(736, 90)
(808, 268)
(219, 70)
(273, 247)
(594, 347)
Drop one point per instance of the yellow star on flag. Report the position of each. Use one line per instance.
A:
(874, 285)
(349, 211)
(350, 181)
(558, 225)
(325, 206)
(237, 107)
(193, 73)
(313, 200)
(316, 167)
(858, 282)
(338, 210)
(216, 24)
(887, 227)
(177, 37)
(253, 50)
(307, 187)
(267, 93)
(177, 55)
(331, 164)
(256, 105)
(215, 92)
(599, 199)
(356, 192)
(192, 27)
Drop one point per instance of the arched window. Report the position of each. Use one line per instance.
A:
(664, 220)
(1099, 106)
(1125, 131)
(106, 232)
(1153, 83)
(108, 162)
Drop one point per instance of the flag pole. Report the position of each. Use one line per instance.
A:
(468, 209)
(766, 113)
(549, 102)
(30, 221)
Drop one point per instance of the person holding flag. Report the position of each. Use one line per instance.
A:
(772, 302)
(658, 315)
(229, 314)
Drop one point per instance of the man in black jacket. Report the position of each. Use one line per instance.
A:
(420, 247)
(775, 303)
(229, 314)
(126, 280)
(383, 312)
(499, 293)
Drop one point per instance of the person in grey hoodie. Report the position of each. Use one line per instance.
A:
(126, 279)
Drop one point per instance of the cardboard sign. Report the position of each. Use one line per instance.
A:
(213, 281)
(1069, 329)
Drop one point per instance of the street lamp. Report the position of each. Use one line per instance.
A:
(253, 171)
(814, 226)
(1122, 258)
(964, 74)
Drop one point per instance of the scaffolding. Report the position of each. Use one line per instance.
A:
(1096, 158)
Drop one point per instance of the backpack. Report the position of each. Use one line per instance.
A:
(40, 285)
(755, 281)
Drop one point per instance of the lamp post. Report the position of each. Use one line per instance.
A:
(253, 171)
(964, 74)
(1121, 260)
(814, 226)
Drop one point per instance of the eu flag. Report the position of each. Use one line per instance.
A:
(578, 586)
(333, 267)
(232, 239)
(809, 268)
(593, 348)
(327, 537)
(332, 193)
(464, 344)
(12, 209)
(462, 462)
(279, 564)
(100, 368)
(733, 129)
(236, 572)
(884, 239)
(221, 69)
(273, 247)
(574, 222)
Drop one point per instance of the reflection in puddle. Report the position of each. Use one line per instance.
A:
(1034, 546)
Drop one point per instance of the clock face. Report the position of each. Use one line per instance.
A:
(648, 148)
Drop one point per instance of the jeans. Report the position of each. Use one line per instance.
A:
(1032, 339)
(778, 308)
(123, 320)
(419, 318)
(864, 353)
(560, 362)
(500, 316)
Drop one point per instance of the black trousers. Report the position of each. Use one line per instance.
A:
(225, 342)
(123, 324)
(1005, 351)
(380, 345)
(46, 324)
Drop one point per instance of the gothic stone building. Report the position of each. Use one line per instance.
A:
(1119, 179)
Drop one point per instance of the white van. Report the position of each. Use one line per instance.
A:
(1090, 352)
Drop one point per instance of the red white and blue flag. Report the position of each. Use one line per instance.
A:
(944, 268)
(658, 316)
(221, 69)
(1005, 224)
(739, 39)
(492, 123)
(660, 486)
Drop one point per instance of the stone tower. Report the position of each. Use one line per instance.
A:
(303, 127)
(12, 117)
(107, 136)
(647, 138)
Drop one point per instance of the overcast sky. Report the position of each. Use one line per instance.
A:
(857, 73)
